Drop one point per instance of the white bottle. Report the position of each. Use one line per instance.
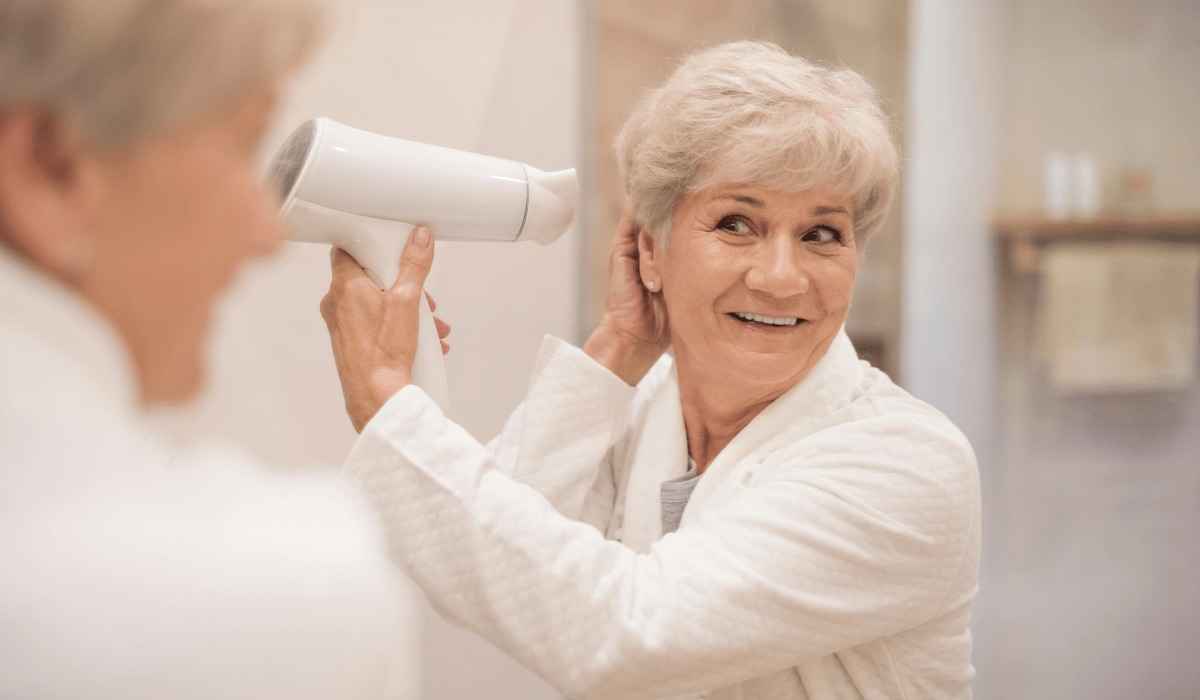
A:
(1056, 185)
(1087, 185)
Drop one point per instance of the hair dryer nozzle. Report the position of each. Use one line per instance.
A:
(553, 200)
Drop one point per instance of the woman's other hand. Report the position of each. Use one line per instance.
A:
(374, 333)
(443, 328)
(633, 333)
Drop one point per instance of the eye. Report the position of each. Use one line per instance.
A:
(734, 224)
(823, 234)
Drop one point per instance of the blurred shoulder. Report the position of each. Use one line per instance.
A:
(119, 553)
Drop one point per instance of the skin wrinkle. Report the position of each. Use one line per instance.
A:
(759, 250)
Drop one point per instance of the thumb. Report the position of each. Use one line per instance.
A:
(415, 262)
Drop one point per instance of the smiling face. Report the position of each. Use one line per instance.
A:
(756, 280)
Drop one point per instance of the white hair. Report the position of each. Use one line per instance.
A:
(751, 113)
(119, 70)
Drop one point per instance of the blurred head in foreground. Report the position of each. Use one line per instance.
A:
(129, 132)
(756, 178)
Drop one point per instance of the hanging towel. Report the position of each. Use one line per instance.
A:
(1119, 317)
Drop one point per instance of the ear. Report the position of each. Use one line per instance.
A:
(649, 259)
(39, 192)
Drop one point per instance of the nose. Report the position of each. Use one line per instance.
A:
(778, 268)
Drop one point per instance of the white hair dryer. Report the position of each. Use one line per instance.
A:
(365, 193)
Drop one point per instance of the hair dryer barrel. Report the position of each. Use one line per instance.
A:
(365, 193)
(459, 195)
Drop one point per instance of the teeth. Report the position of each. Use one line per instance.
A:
(769, 320)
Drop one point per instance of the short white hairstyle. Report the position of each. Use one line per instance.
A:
(751, 113)
(119, 70)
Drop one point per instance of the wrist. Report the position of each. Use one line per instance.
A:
(628, 358)
(383, 385)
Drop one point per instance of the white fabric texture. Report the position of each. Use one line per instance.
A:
(830, 551)
(130, 572)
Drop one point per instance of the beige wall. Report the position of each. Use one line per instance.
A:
(1098, 498)
(495, 76)
(957, 57)
(1119, 78)
(637, 43)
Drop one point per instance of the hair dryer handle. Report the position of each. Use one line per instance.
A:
(429, 368)
(377, 244)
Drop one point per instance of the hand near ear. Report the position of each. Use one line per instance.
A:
(634, 332)
(374, 333)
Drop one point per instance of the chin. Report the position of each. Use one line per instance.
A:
(180, 386)
(752, 368)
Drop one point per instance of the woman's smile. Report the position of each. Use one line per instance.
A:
(761, 319)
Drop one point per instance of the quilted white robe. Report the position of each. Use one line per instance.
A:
(830, 551)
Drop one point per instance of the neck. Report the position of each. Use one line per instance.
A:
(716, 409)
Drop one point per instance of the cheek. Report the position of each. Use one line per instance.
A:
(180, 223)
(694, 277)
(834, 283)
(249, 216)
(232, 219)
(704, 268)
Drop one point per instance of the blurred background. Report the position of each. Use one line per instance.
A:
(1036, 281)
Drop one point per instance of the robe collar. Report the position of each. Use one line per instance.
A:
(660, 449)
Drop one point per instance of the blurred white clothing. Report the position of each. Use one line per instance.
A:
(830, 551)
(127, 572)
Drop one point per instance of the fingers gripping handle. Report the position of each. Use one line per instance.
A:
(429, 368)
(377, 247)
(377, 244)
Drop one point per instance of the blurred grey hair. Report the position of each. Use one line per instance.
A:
(751, 113)
(120, 70)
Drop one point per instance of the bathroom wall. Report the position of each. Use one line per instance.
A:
(1119, 78)
(1100, 495)
(956, 67)
(1091, 505)
(495, 76)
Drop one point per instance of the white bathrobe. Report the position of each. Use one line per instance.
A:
(130, 573)
(830, 551)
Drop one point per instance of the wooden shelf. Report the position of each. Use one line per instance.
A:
(1021, 236)
(1050, 229)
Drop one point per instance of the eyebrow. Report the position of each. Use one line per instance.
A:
(822, 210)
(819, 210)
(757, 203)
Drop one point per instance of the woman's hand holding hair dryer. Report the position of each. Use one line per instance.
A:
(374, 333)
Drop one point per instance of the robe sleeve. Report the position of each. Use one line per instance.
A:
(558, 440)
(857, 535)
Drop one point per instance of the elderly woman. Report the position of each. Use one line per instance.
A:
(129, 198)
(762, 515)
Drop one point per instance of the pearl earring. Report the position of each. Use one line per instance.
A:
(650, 285)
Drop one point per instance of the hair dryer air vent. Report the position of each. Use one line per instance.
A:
(289, 160)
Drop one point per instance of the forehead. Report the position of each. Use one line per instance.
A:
(814, 201)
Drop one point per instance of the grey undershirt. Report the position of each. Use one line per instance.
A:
(675, 494)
